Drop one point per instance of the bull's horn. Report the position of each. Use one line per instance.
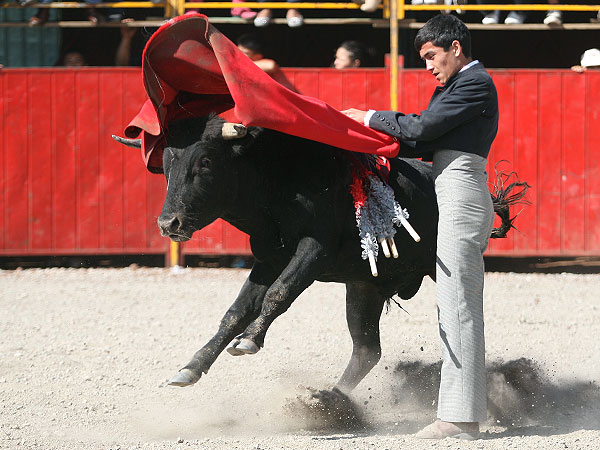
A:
(134, 143)
(233, 130)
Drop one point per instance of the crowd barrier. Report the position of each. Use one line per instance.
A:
(68, 189)
(173, 8)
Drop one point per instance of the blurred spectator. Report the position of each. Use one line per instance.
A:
(123, 54)
(589, 60)
(74, 59)
(516, 17)
(513, 17)
(351, 54)
(244, 13)
(554, 16)
(455, 2)
(132, 43)
(253, 48)
(370, 5)
(293, 17)
(441, 2)
(42, 14)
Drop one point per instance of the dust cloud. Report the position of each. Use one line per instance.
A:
(519, 395)
(520, 398)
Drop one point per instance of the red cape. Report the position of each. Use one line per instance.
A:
(191, 69)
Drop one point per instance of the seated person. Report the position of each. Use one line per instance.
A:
(370, 5)
(43, 14)
(73, 58)
(494, 17)
(554, 16)
(253, 48)
(123, 53)
(351, 54)
(589, 60)
(244, 13)
(293, 17)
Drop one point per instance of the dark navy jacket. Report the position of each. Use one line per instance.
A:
(462, 115)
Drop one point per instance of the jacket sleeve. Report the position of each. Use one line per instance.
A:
(467, 100)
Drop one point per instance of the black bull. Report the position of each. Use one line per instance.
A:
(292, 197)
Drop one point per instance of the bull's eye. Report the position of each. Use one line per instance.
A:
(204, 162)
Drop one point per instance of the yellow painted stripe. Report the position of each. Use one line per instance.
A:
(178, 6)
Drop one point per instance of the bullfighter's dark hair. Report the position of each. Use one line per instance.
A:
(441, 31)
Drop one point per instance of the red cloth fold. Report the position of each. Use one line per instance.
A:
(191, 69)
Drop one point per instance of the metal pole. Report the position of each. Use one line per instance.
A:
(170, 8)
(174, 254)
(180, 7)
(394, 52)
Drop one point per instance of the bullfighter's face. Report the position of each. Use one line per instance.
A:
(441, 63)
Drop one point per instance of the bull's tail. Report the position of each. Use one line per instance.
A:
(505, 195)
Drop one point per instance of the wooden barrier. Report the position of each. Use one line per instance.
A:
(67, 188)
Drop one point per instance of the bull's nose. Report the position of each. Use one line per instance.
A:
(170, 224)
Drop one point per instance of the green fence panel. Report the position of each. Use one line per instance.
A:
(28, 46)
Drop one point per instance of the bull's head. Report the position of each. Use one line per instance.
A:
(201, 162)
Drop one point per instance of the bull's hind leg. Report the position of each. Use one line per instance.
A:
(363, 310)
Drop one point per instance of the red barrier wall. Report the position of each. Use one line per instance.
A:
(67, 188)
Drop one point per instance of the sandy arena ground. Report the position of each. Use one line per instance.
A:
(85, 354)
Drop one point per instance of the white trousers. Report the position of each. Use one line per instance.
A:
(465, 222)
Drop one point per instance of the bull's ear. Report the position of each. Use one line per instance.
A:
(245, 144)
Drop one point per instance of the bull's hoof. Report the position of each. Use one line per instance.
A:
(185, 377)
(243, 346)
(325, 410)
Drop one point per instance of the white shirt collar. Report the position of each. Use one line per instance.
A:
(471, 64)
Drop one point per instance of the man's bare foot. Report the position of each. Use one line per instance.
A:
(441, 430)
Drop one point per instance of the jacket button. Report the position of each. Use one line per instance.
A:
(393, 127)
(381, 118)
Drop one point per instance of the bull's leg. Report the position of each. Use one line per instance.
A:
(308, 261)
(246, 308)
(363, 311)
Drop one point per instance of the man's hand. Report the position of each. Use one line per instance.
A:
(128, 32)
(355, 114)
